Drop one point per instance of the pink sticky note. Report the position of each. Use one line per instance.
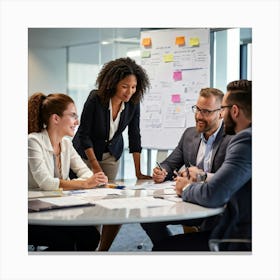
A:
(177, 76)
(176, 98)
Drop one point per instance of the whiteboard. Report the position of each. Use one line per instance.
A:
(177, 62)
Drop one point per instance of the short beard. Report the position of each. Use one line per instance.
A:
(229, 125)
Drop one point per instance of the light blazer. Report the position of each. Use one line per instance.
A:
(231, 185)
(187, 149)
(41, 162)
(93, 131)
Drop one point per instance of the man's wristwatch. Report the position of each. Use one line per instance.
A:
(201, 177)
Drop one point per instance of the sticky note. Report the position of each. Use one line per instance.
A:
(180, 41)
(194, 42)
(177, 109)
(177, 76)
(147, 42)
(176, 98)
(168, 57)
(146, 54)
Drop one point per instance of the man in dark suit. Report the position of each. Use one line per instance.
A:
(231, 185)
(201, 150)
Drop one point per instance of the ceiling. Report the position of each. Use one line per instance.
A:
(63, 37)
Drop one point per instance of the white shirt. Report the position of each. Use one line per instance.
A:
(41, 162)
(204, 155)
(114, 124)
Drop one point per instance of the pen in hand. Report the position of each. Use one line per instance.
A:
(190, 165)
(176, 173)
(159, 166)
(187, 170)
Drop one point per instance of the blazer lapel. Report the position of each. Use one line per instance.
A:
(196, 143)
(217, 142)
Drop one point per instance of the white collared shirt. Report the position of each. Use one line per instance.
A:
(114, 124)
(205, 150)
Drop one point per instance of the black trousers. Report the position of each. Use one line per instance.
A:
(64, 238)
(194, 241)
(158, 231)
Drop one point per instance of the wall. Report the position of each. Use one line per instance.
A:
(47, 70)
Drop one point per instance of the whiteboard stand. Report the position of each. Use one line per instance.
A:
(161, 155)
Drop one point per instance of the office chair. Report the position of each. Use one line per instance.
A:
(215, 244)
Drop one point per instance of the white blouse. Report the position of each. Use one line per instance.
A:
(41, 167)
(114, 124)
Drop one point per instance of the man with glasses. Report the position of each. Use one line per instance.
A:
(199, 154)
(231, 185)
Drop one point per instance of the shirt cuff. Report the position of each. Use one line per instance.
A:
(184, 188)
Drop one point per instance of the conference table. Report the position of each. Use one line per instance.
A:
(140, 201)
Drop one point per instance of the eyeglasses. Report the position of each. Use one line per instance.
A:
(225, 106)
(72, 115)
(203, 112)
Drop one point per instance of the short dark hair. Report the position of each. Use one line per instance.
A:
(242, 99)
(115, 71)
(240, 93)
(240, 85)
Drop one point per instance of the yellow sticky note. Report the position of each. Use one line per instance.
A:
(168, 57)
(194, 42)
(180, 41)
(147, 42)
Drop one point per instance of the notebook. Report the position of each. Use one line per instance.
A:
(50, 203)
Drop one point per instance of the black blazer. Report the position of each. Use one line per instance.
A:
(94, 128)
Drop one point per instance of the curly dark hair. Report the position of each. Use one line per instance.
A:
(41, 107)
(115, 71)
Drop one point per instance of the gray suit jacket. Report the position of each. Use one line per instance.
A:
(187, 149)
(231, 185)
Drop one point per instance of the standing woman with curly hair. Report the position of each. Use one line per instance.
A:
(107, 112)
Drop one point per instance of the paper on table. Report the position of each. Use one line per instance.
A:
(96, 194)
(155, 186)
(133, 203)
(37, 194)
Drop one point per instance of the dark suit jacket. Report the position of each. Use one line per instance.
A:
(231, 185)
(94, 129)
(187, 149)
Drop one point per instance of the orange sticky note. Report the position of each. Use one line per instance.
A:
(194, 42)
(147, 42)
(180, 41)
